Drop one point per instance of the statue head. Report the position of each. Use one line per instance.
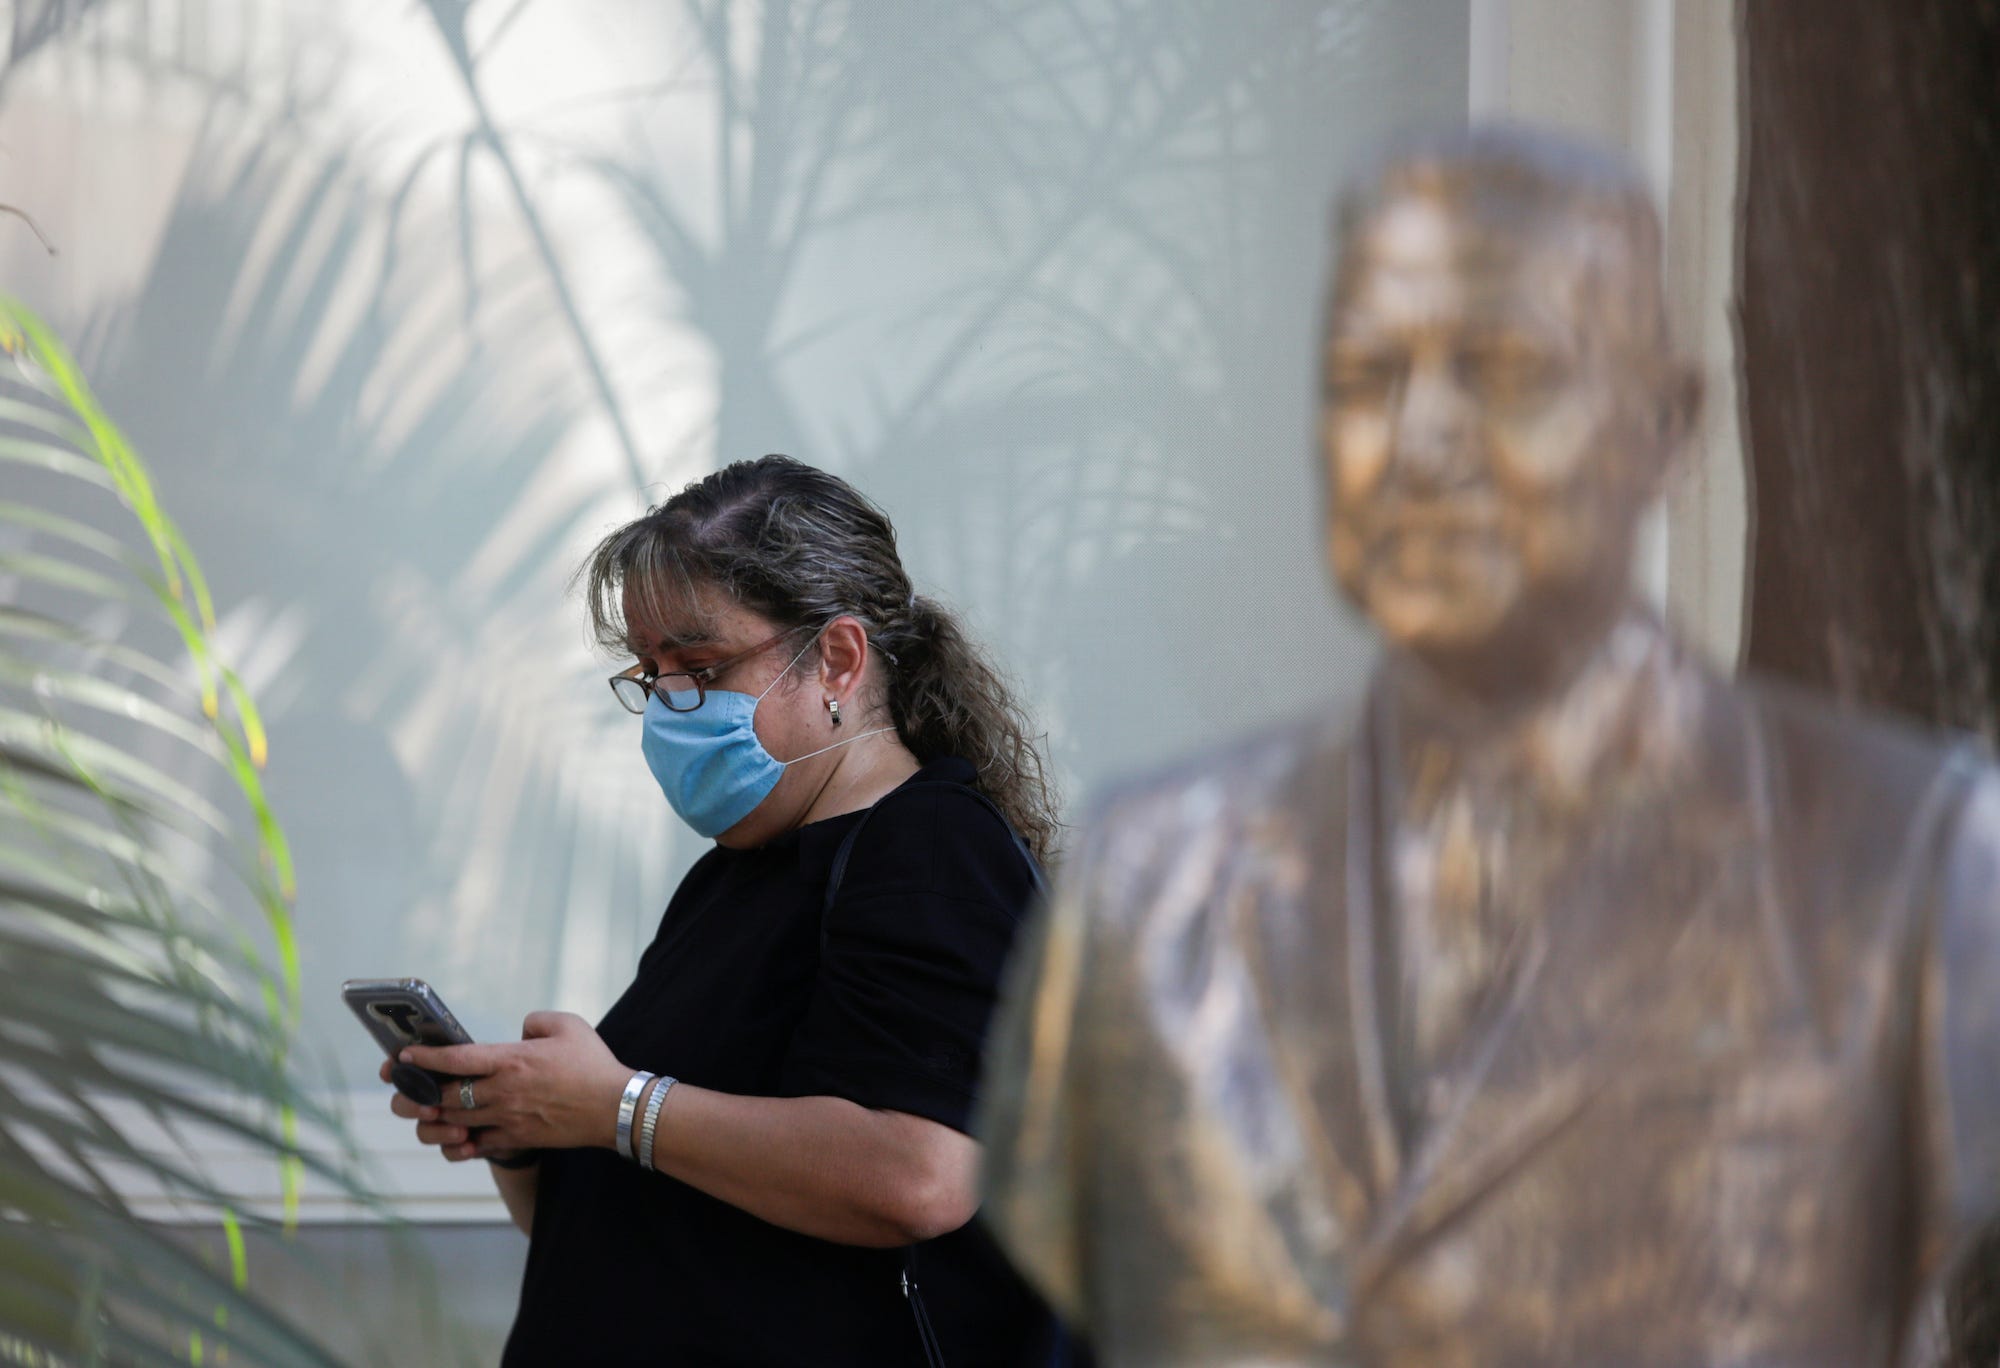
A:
(1500, 403)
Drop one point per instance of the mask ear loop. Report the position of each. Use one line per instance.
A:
(847, 741)
(836, 745)
(788, 666)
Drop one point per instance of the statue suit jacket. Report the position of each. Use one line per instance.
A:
(1735, 1101)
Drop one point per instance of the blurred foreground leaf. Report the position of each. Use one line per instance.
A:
(139, 1024)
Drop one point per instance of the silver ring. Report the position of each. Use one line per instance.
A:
(465, 1095)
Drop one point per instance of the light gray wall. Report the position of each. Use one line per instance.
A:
(1040, 277)
(403, 334)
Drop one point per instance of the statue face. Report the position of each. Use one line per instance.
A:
(1489, 449)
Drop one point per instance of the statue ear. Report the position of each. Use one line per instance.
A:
(1680, 407)
(1676, 410)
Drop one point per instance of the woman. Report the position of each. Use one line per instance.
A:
(815, 1034)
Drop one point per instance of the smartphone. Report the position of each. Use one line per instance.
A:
(400, 1012)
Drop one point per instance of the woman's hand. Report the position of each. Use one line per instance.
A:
(452, 1141)
(557, 1089)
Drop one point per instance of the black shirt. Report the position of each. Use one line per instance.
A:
(748, 989)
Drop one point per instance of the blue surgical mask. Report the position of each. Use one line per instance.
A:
(710, 762)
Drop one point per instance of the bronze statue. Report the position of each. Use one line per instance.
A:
(1571, 1005)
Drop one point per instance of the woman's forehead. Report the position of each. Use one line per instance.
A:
(662, 617)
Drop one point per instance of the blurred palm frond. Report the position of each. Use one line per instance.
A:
(139, 1025)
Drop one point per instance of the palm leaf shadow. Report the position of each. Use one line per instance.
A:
(137, 1025)
(824, 130)
(497, 761)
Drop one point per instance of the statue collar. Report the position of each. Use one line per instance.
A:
(1625, 721)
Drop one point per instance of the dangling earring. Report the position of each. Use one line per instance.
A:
(833, 710)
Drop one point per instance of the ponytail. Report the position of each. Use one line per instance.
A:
(947, 699)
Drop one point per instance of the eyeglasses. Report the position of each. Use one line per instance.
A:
(681, 691)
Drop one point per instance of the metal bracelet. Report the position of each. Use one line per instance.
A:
(651, 1124)
(627, 1104)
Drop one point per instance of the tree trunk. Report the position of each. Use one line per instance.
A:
(1870, 314)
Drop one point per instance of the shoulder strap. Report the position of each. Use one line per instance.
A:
(839, 870)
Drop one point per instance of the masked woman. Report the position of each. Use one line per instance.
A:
(765, 1138)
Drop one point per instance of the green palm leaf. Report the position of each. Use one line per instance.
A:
(138, 1022)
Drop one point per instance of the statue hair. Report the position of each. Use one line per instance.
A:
(1520, 182)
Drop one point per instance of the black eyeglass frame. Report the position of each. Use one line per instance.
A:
(698, 680)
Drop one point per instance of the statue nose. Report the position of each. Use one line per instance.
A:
(1434, 440)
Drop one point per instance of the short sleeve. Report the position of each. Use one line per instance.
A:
(1031, 1117)
(912, 950)
(1960, 1026)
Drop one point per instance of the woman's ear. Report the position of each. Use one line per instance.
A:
(843, 654)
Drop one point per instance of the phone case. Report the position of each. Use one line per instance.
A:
(400, 1012)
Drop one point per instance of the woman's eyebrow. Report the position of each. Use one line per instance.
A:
(693, 640)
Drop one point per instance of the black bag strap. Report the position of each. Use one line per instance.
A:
(926, 1334)
(846, 847)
